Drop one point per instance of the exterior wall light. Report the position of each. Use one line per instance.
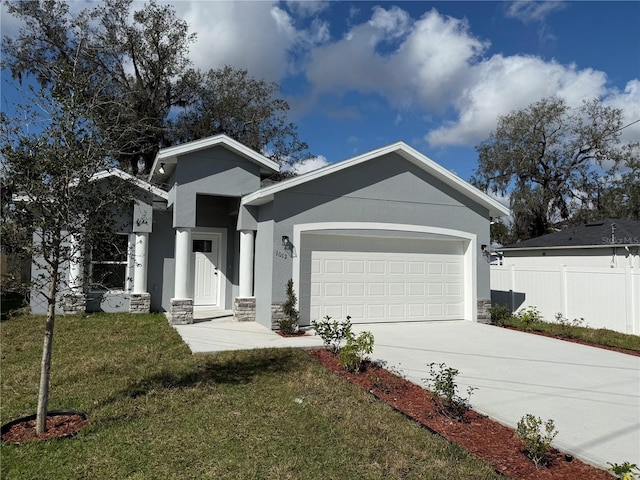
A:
(286, 242)
(161, 169)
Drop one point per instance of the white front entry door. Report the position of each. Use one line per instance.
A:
(207, 276)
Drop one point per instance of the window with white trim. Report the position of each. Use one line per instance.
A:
(110, 265)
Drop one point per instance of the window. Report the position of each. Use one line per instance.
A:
(109, 264)
(204, 246)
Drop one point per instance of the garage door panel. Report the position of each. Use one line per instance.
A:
(416, 289)
(416, 268)
(381, 286)
(376, 267)
(376, 312)
(434, 268)
(355, 267)
(356, 289)
(333, 289)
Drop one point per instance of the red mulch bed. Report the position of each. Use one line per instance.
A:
(59, 425)
(486, 438)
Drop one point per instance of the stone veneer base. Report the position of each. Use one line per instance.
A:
(139, 303)
(74, 303)
(181, 311)
(244, 309)
(277, 314)
(484, 312)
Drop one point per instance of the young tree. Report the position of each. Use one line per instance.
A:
(51, 149)
(550, 158)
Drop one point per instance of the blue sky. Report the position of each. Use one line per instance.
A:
(361, 75)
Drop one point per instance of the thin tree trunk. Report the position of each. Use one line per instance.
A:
(45, 365)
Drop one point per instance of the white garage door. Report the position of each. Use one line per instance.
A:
(375, 279)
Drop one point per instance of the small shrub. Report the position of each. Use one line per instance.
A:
(289, 324)
(443, 386)
(529, 317)
(566, 324)
(536, 441)
(333, 333)
(625, 471)
(500, 314)
(355, 350)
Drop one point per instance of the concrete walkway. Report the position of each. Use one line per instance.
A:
(593, 395)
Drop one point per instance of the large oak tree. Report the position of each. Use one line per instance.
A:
(144, 53)
(552, 160)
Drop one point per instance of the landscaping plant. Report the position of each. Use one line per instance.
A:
(443, 386)
(500, 314)
(625, 471)
(333, 333)
(536, 441)
(529, 317)
(355, 350)
(289, 324)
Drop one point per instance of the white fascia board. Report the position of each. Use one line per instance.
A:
(170, 155)
(115, 172)
(496, 209)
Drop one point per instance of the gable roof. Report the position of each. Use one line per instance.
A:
(496, 209)
(168, 157)
(138, 182)
(603, 233)
(112, 172)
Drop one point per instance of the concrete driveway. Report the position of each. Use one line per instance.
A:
(593, 395)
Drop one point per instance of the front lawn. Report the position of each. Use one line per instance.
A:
(157, 411)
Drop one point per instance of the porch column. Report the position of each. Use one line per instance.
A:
(140, 299)
(181, 310)
(75, 301)
(140, 262)
(246, 263)
(75, 267)
(183, 252)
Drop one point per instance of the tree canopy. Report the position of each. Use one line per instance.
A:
(144, 55)
(557, 163)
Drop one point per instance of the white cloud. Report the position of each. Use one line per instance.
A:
(533, 11)
(307, 8)
(501, 84)
(426, 65)
(629, 101)
(251, 35)
(310, 164)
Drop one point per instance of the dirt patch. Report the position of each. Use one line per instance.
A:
(485, 438)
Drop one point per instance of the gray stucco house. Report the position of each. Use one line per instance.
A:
(385, 236)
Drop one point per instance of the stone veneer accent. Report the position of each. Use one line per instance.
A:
(277, 314)
(181, 311)
(484, 314)
(139, 302)
(74, 303)
(244, 309)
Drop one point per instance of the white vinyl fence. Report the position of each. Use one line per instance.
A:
(604, 297)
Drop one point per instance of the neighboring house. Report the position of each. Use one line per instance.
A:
(590, 271)
(386, 236)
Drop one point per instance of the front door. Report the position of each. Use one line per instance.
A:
(206, 260)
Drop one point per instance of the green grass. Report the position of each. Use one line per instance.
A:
(157, 411)
(596, 336)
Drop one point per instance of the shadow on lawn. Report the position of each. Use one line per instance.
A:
(232, 368)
